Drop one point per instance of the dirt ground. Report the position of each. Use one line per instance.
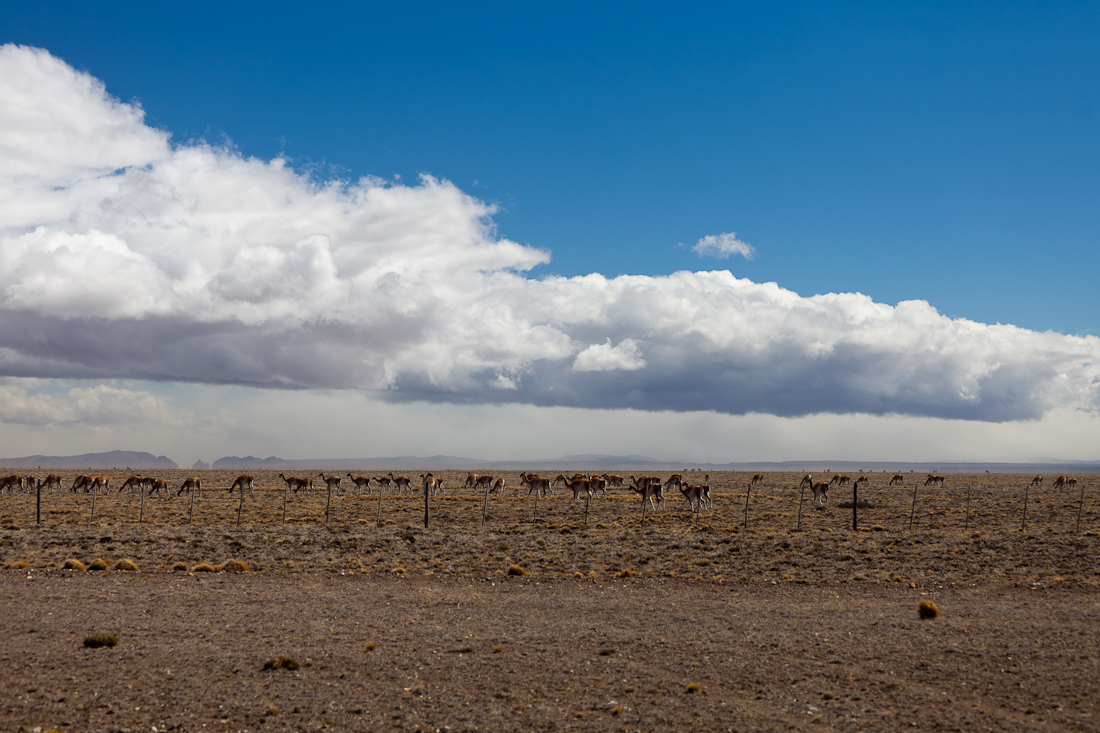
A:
(680, 622)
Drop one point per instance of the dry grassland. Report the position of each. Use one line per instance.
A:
(680, 622)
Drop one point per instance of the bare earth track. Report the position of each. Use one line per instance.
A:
(675, 624)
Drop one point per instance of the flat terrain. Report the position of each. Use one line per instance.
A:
(678, 623)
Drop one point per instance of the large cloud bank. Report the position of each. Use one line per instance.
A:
(125, 256)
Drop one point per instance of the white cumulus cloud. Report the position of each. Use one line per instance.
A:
(605, 357)
(123, 256)
(722, 246)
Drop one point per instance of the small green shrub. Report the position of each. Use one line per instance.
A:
(281, 663)
(94, 641)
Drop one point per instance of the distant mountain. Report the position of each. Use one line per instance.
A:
(345, 464)
(112, 459)
(599, 462)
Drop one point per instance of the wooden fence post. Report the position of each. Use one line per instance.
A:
(747, 492)
(914, 511)
(425, 504)
(240, 507)
(328, 507)
(1080, 505)
(801, 496)
(1023, 520)
(379, 523)
(485, 506)
(141, 512)
(969, 486)
(93, 501)
(855, 503)
(191, 511)
(38, 505)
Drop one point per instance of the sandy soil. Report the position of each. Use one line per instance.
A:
(613, 625)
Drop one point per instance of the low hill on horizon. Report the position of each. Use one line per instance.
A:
(111, 459)
(597, 462)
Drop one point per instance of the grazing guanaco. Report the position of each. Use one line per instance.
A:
(649, 487)
(577, 486)
(599, 485)
(471, 480)
(101, 481)
(82, 482)
(898, 479)
(1037, 481)
(52, 480)
(242, 482)
(383, 482)
(432, 485)
(291, 481)
(401, 482)
(192, 483)
(484, 482)
(821, 492)
(862, 480)
(757, 479)
(616, 481)
(536, 483)
(934, 480)
(499, 486)
(1060, 482)
(361, 482)
(1071, 482)
(332, 482)
(807, 480)
(157, 485)
(10, 482)
(675, 479)
(840, 480)
(134, 482)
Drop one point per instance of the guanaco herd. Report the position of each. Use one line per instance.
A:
(649, 488)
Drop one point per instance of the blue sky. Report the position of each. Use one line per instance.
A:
(930, 152)
(947, 152)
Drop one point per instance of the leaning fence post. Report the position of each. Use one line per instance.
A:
(535, 514)
(1023, 520)
(286, 490)
(914, 511)
(240, 506)
(485, 506)
(969, 486)
(747, 492)
(379, 505)
(141, 512)
(801, 496)
(191, 511)
(93, 501)
(38, 505)
(1080, 505)
(587, 501)
(328, 507)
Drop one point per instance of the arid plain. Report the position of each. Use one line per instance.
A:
(770, 614)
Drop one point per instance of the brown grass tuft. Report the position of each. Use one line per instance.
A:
(399, 571)
(125, 564)
(94, 641)
(927, 610)
(693, 688)
(73, 564)
(626, 573)
(234, 566)
(98, 564)
(371, 646)
(204, 567)
(18, 565)
(516, 570)
(281, 663)
(180, 567)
